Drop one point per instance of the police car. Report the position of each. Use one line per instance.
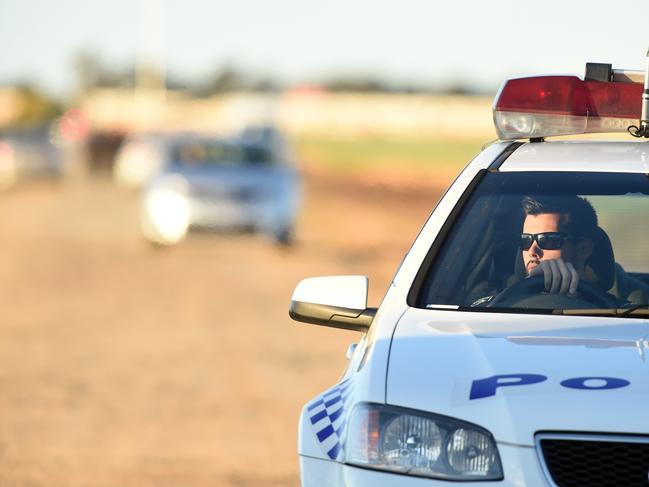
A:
(214, 184)
(511, 346)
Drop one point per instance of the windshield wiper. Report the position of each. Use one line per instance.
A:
(636, 310)
(643, 308)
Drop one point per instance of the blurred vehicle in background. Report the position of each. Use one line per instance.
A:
(101, 146)
(269, 137)
(28, 154)
(142, 155)
(209, 183)
(139, 157)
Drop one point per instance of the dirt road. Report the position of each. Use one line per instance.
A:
(122, 365)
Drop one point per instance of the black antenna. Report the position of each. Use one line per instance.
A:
(643, 130)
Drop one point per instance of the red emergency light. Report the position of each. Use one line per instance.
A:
(563, 105)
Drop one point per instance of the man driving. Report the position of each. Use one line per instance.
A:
(556, 240)
(560, 240)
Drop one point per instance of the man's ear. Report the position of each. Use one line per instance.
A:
(585, 248)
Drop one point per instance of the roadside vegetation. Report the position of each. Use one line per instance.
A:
(372, 153)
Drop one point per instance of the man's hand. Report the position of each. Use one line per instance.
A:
(560, 277)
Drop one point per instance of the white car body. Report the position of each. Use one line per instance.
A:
(590, 375)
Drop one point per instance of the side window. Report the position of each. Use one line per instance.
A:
(623, 219)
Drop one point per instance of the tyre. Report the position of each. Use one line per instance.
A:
(284, 237)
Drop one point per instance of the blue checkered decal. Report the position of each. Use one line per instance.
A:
(328, 416)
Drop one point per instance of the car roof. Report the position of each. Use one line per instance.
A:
(588, 156)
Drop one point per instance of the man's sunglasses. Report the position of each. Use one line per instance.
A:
(545, 240)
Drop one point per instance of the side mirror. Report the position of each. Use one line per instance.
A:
(336, 301)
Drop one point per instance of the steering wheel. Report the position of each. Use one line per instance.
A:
(530, 293)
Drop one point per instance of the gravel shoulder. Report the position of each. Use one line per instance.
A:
(125, 365)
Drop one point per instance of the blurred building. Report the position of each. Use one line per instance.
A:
(297, 112)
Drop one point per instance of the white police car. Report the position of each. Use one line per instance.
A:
(511, 346)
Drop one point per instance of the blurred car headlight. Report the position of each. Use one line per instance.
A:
(415, 443)
(169, 212)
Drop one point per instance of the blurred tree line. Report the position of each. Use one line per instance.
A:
(92, 73)
(37, 106)
(230, 78)
(34, 106)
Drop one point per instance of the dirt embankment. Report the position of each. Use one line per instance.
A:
(123, 365)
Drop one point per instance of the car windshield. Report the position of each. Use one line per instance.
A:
(218, 153)
(514, 222)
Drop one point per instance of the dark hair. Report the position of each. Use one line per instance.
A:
(578, 215)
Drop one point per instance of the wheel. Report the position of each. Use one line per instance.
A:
(531, 293)
(284, 237)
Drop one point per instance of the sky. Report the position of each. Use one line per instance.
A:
(431, 43)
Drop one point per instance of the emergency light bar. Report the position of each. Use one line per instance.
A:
(606, 101)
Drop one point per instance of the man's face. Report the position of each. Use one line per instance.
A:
(545, 222)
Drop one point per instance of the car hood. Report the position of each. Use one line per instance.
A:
(520, 374)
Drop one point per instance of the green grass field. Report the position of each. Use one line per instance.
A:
(363, 153)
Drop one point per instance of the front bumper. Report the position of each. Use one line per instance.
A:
(265, 215)
(521, 465)
(222, 214)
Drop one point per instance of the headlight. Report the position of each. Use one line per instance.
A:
(414, 443)
(169, 212)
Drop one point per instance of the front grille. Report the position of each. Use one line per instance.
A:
(597, 462)
(222, 194)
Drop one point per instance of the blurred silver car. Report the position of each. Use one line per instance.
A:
(217, 184)
(28, 154)
(142, 154)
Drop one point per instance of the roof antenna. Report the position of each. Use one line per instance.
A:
(643, 130)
